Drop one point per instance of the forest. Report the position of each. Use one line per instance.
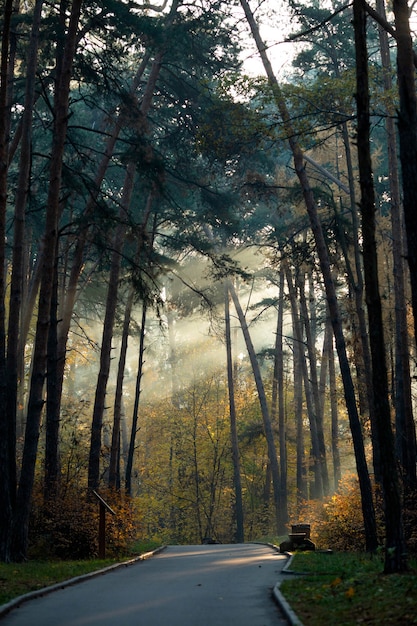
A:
(208, 281)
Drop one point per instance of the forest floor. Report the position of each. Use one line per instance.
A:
(348, 589)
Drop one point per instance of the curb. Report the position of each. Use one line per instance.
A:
(38, 593)
(286, 609)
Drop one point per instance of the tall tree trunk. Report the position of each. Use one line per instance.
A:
(407, 131)
(405, 428)
(394, 545)
(337, 474)
(135, 415)
(237, 481)
(354, 271)
(269, 434)
(7, 434)
(35, 405)
(18, 256)
(313, 377)
(302, 490)
(107, 336)
(368, 509)
(51, 483)
(278, 400)
(114, 468)
(317, 491)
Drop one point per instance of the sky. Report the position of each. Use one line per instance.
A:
(275, 24)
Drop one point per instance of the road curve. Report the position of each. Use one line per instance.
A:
(214, 585)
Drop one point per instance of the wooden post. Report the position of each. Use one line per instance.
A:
(102, 525)
(102, 532)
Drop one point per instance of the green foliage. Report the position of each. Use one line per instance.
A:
(185, 489)
(348, 589)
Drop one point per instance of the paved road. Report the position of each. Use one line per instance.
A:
(216, 585)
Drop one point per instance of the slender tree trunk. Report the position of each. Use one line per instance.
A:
(355, 278)
(35, 405)
(302, 490)
(107, 337)
(337, 473)
(237, 481)
(269, 434)
(114, 469)
(18, 256)
(135, 415)
(407, 131)
(313, 377)
(317, 491)
(7, 429)
(278, 400)
(51, 483)
(405, 428)
(324, 363)
(395, 545)
(196, 470)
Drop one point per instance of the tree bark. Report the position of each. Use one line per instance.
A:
(7, 436)
(278, 400)
(302, 488)
(237, 481)
(35, 404)
(114, 467)
(317, 490)
(52, 470)
(337, 474)
(405, 428)
(135, 415)
(107, 336)
(18, 255)
(313, 378)
(394, 534)
(407, 132)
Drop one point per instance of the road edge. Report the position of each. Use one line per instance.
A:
(279, 598)
(38, 593)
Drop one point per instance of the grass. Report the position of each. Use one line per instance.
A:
(348, 589)
(17, 579)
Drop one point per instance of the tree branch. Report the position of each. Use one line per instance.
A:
(319, 25)
(385, 25)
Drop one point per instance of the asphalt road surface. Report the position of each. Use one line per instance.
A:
(214, 585)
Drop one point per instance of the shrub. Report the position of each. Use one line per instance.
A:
(67, 527)
(337, 521)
